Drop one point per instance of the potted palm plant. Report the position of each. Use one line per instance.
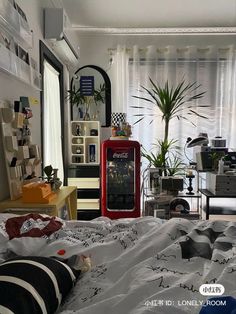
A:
(170, 101)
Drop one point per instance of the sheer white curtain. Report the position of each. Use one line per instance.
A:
(119, 75)
(52, 120)
(214, 68)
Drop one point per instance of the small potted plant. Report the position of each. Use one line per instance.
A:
(51, 177)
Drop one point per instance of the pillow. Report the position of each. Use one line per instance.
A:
(34, 284)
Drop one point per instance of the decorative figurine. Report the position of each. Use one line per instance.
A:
(78, 130)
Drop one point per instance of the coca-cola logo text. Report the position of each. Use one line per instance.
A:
(120, 155)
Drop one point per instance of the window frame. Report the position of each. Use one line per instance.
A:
(46, 54)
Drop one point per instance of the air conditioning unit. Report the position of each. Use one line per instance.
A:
(57, 30)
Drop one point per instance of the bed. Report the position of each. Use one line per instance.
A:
(141, 265)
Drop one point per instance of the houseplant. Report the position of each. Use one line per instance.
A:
(51, 177)
(171, 101)
(99, 94)
(79, 99)
(75, 96)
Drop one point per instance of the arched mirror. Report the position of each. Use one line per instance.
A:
(90, 95)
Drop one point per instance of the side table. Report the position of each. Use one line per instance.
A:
(66, 196)
(210, 195)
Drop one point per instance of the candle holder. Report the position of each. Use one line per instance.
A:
(190, 187)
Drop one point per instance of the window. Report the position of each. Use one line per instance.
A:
(214, 69)
(52, 111)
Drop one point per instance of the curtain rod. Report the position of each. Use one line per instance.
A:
(212, 60)
(156, 31)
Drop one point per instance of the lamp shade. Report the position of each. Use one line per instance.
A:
(201, 140)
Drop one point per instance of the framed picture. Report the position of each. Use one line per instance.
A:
(12, 2)
(7, 40)
(23, 55)
(20, 11)
(16, 49)
(87, 85)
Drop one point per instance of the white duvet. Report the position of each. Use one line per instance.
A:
(142, 265)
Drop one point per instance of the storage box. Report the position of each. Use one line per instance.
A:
(11, 143)
(19, 120)
(221, 184)
(157, 206)
(161, 213)
(172, 183)
(23, 152)
(37, 192)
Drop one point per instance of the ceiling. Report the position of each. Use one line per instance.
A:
(150, 13)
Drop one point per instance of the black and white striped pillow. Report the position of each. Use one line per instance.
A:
(33, 285)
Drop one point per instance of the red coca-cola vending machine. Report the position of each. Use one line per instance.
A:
(120, 177)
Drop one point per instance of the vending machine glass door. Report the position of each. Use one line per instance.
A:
(120, 178)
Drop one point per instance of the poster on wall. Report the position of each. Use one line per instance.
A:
(7, 40)
(23, 55)
(20, 11)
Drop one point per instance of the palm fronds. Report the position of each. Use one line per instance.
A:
(171, 102)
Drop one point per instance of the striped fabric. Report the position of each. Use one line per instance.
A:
(34, 285)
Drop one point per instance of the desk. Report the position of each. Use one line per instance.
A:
(210, 195)
(65, 196)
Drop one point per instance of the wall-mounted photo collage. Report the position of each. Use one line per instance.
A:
(9, 42)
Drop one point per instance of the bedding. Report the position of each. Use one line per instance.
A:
(141, 265)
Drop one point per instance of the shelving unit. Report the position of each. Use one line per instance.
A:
(85, 147)
(84, 169)
(154, 198)
(87, 180)
(18, 29)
